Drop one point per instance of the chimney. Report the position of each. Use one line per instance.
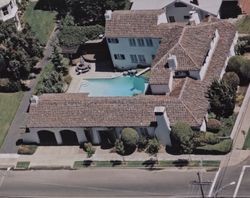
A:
(172, 62)
(34, 100)
(194, 18)
(163, 129)
(162, 18)
(108, 14)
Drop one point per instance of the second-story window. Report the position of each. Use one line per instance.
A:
(141, 58)
(140, 42)
(5, 11)
(113, 40)
(149, 42)
(119, 56)
(133, 58)
(132, 42)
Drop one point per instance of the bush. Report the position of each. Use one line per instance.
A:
(129, 137)
(227, 125)
(71, 36)
(142, 143)
(67, 79)
(223, 147)
(232, 79)
(211, 138)
(241, 66)
(88, 147)
(213, 125)
(119, 147)
(153, 146)
(182, 137)
(26, 149)
(6, 85)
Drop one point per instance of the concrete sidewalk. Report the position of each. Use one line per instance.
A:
(65, 156)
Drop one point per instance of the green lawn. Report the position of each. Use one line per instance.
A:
(9, 103)
(247, 141)
(243, 25)
(41, 22)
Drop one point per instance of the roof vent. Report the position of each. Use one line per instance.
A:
(108, 14)
(172, 62)
(34, 100)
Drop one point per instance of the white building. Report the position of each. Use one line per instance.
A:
(9, 10)
(187, 59)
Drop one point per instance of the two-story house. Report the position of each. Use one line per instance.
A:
(9, 10)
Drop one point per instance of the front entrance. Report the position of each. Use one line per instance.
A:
(47, 138)
(69, 137)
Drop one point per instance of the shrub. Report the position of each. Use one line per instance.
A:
(26, 149)
(213, 125)
(232, 79)
(67, 79)
(221, 148)
(88, 147)
(241, 66)
(119, 147)
(239, 99)
(182, 137)
(240, 47)
(153, 146)
(142, 143)
(129, 137)
(227, 125)
(211, 138)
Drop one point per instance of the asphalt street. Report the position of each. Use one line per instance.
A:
(102, 183)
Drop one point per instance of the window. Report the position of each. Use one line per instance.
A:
(11, 5)
(141, 58)
(5, 11)
(171, 19)
(186, 17)
(133, 58)
(153, 57)
(119, 56)
(179, 5)
(149, 42)
(140, 42)
(132, 42)
(113, 40)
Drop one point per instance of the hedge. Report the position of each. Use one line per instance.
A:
(223, 147)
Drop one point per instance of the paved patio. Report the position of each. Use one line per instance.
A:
(93, 73)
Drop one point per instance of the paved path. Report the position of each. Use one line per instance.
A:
(18, 124)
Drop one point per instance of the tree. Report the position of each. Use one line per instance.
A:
(57, 60)
(88, 147)
(222, 99)
(153, 146)
(232, 79)
(129, 137)
(119, 147)
(182, 137)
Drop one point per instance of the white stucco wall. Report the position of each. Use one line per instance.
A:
(163, 129)
(124, 48)
(159, 89)
(180, 12)
(12, 12)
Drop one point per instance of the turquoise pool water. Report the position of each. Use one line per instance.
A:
(120, 86)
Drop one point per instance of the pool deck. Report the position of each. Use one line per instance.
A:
(91, 74)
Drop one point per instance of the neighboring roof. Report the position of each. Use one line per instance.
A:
(4, 3)
(211, 6)
(133, 24)
(78, 110)
(149, 4)
(245, 6)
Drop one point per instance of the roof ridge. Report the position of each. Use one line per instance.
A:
(183, 88)
(182, 32)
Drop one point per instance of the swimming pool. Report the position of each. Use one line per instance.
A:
(119, 86)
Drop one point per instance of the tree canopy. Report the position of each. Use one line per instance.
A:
(222, 98)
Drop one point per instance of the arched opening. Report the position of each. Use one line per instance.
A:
(47, 138)
(69, 137)
(107, 138)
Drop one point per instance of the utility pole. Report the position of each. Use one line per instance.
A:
(200, 184)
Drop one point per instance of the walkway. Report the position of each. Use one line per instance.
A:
(18, 124)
